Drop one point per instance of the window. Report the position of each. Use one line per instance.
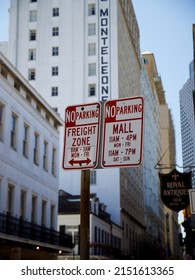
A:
(127, 231)
(55, 12)
(52, 217)
(99, 235)
(17, 85)
(23, 204)
(33, 1)
(38, 107)
(36, 148)
(55, 125)
(55, 71)
(25, 140)
(54, 91)
(47, 116)
(31, 74)
(92, 90)
(145, 60)
(91, 9)
(34, 209)
(43, 212)
(91, 49)
(55, 109)
(10, 199)
(92, 69)
(3, 72)
(32, 35)
(92, 177)
(33, 16)
(14, 119)
(102, 236)
(28, 97)
(55, 51)
(54, 152)
(1, 120)
(95, 234)
(62, 229)
(32, 54)
(55, 31)
(91, 29)
(45, 155)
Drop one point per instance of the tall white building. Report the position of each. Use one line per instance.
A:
(159, 151)
(29, 161)
(187, 109)
(151, 155)
(82, 51)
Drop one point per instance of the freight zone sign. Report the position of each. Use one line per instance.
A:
(123, 132)
(82, 124)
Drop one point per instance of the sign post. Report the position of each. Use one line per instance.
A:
(123, 132)
(81, 143)
(84, 214)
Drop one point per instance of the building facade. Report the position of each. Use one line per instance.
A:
(76, 52)
(151, 155)
(187, 110)
(29, 160)
(105, 239)
(187, 113)
(165, 161)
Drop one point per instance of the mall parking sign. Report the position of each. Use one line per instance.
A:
(123, 132)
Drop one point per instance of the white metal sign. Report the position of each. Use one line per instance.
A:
(104, 32)
(81, 140)
(192, 200)
(123, 132)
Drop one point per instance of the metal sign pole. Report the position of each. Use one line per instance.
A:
(84, 214)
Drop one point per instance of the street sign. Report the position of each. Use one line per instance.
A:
(192, 200)
(123, 132)
(81, 141)
(174, 189)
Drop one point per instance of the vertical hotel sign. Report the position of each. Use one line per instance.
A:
(104, 50)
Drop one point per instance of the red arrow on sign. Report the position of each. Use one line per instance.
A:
(72, 161)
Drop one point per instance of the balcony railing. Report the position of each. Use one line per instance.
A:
(18, 227)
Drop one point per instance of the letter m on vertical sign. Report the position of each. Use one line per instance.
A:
(104, 32)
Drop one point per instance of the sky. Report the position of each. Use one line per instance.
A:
(166, 31)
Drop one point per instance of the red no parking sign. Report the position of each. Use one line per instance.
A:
(123, 132)
(81, 140)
